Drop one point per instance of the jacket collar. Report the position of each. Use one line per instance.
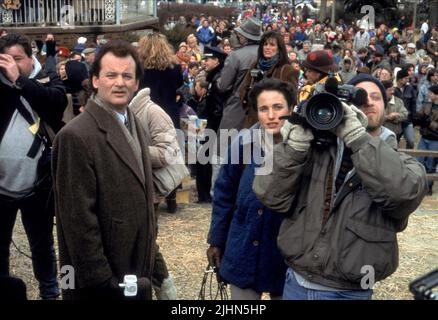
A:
(115, 136)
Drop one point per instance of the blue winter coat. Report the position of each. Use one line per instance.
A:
(205, 35)
(245, 227)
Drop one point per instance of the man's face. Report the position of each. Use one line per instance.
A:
(306, 47)
(200, 92)
(411, 50)
(373, 40)
(89, 58)
(434, 78)
(403, 81)
(116, 83)
(24, 63)
(375, 107)
(210, 63)
(194, 71)
(384, 75)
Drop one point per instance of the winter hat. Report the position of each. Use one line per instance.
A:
(434, 89)
(82, 40)
(321, 61)
(402, 73)
(76, 73)
(364, 77)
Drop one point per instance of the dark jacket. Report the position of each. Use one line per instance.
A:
(214, 100)
(371, 206)
(163, 85)
(244, 228)
(427, 119)
(104, 206)
(409, 97)
(46, 95)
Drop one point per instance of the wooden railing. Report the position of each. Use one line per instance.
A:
(423, 153)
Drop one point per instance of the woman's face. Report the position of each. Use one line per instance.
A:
(271, 105)
(293, 56)
(384, 75)
(62, 72)
(270, 48)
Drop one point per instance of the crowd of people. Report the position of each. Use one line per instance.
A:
(84, 131)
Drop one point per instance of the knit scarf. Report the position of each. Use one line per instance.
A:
(266, 64)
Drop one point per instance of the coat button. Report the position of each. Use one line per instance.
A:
(350, 184)
(260, 212)
(315, 256)
(255, 243)
(324, 231)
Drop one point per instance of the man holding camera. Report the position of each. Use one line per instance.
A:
(345, 202)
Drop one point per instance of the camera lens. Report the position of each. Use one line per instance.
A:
(325, 114)
(324, 111)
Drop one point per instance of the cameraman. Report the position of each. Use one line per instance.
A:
(345, 203)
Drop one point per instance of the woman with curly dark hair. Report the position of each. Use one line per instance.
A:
(272, 62)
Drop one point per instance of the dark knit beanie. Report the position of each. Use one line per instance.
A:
(364, 77)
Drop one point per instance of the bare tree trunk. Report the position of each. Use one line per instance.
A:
(322, 10)
(433, 11)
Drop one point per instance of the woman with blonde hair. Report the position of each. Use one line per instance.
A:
(193, 47)
(163, 75)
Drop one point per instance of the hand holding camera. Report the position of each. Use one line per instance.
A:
(353, 125)
(298, 137)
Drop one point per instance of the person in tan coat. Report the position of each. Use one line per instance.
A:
(163, 150)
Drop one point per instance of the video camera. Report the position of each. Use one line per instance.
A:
(324, 110)
(257, 74)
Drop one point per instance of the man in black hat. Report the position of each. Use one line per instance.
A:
(214, 59)
(210, 108)
(235, 68)
(408, 94)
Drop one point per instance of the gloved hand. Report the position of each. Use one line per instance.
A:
(296, 136)
(353, 125)
(167, 291)
(214, 255)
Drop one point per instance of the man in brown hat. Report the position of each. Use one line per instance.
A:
(235, 68)
(317, 66)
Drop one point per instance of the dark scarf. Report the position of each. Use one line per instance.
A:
(266, 64)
